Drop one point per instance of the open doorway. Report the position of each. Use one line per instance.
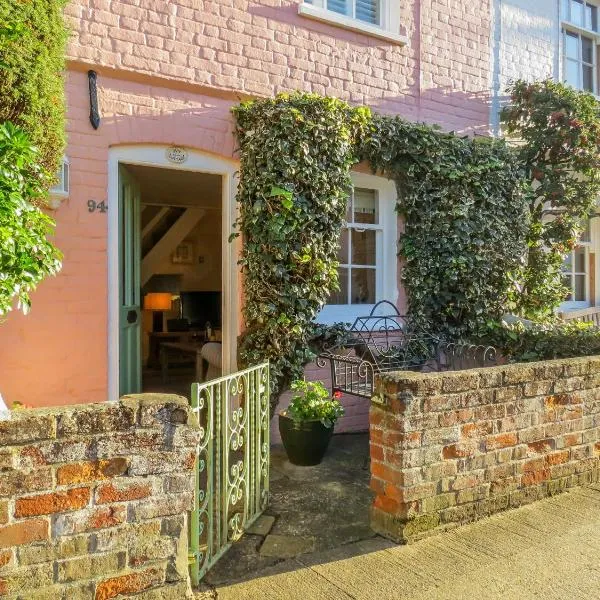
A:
(171, 288)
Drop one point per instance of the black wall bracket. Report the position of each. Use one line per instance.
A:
(94, 114)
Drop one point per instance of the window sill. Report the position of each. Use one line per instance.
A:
(326, 16)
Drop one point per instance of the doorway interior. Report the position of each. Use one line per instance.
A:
(171, 278)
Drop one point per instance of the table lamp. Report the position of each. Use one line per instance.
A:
(158, 303)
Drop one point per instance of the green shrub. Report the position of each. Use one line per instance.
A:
(559, 128)
(463, 206)
(312, 402)
(296, 152)
(32, 58)
(26, 255)
(524, 343)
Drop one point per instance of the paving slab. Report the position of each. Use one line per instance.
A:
(262, 525)
(549, 550)
(286, 546)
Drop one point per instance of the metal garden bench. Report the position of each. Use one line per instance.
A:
(382, 341)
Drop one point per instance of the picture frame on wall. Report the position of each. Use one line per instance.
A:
(184, 254)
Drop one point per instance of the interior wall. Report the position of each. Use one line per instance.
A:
(203, 272)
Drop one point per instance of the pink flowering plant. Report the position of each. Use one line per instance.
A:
(312, 402)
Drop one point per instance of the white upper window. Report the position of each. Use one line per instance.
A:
(580, 39)
(576, 273)
(580, 61)
(367, 253)
(580, 13)
(378, 18)
(368, 11)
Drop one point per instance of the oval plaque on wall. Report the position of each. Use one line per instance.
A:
(177, 155)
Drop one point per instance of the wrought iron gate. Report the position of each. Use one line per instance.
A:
(232, 463)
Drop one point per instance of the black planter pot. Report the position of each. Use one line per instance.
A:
(305, 442)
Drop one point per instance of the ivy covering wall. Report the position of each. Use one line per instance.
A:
(296, 152)
(465, 222)
(471, 211)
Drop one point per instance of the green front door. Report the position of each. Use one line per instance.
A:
(130, 352)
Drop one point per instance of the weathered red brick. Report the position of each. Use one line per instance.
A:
(45, 504)
(458, 451)
(91, 471)
(502, 440)
(108, 492)
(542, 446)
(386, 472)
(386, 504)
(535, 477)
(558, 458)
(129, 584)
(572, 439)
(376, 452)
(33, 530)
(560, 400)
(107, 517)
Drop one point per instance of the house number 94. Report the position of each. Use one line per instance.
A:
(94, 206)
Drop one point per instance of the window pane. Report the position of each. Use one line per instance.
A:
(343, 251)
(340, 297)
(368, 10)
(571, 45)
(568, 263)
(366, 206)
(592, 18)
(577, 12)
(564, 10)
(579, 295)
(587, 50)
(339, 6)
(588, 78)
(363, 247)
(572, 73)
(580, 266)
(363, 286)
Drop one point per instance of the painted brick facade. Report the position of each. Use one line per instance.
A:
(168, 74)
(94, 500)
(450, 448)
(526, 43)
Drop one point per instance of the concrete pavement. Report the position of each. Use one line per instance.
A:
(549, 550)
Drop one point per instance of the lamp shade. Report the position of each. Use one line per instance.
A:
(157, 301)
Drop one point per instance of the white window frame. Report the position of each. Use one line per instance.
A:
(388, 29)
(569, 26)
(566, 15)
(595, 39)
(386, 278)
(574, 304)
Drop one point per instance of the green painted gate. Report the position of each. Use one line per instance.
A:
(232, 463)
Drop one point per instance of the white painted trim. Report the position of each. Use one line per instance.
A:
(389, 33)
(155, 156)
(387, 288)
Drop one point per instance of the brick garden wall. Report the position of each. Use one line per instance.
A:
(450, 448)
(94, 500)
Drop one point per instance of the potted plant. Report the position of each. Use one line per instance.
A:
(306, 426)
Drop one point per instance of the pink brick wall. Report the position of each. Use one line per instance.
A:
(262, 47)
(168, 73)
